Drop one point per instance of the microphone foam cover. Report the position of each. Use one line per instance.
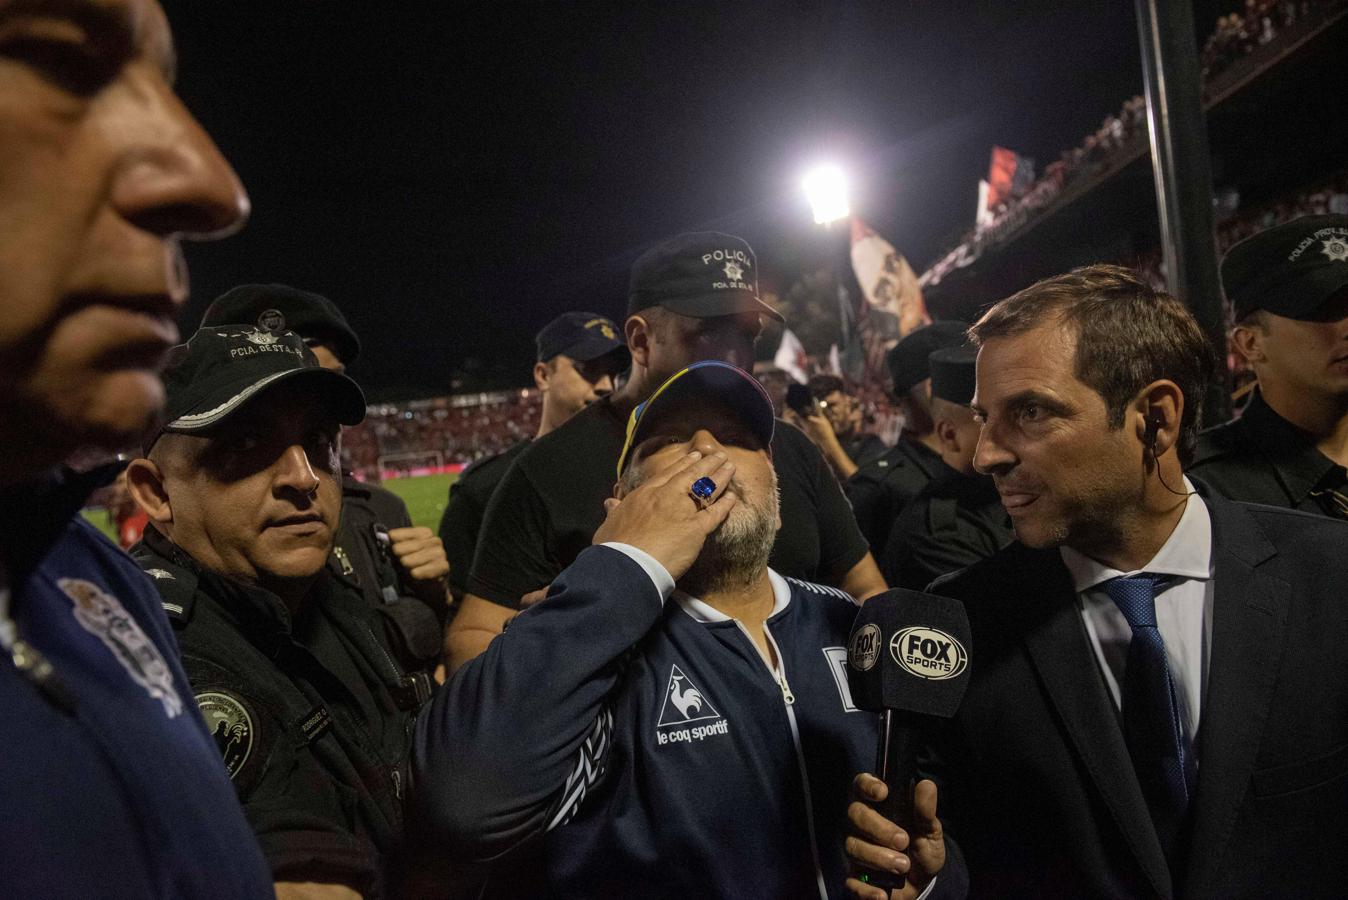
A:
(909, 651)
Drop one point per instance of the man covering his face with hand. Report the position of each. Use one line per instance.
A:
(673, 719)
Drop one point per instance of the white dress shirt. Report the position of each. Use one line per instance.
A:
(1183, 610)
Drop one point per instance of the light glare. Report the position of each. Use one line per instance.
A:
(826, 188)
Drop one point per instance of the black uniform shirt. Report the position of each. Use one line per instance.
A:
(955, 522)
(303, 713)
(467, 507)
(551, 502)
(1263, 458)
(880, 489)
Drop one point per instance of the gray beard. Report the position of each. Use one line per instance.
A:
(737, 552)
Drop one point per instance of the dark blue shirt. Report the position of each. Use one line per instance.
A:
(112, 786)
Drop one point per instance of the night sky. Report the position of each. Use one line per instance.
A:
(455, 175)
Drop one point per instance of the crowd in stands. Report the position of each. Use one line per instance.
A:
(1328, 197)
(1257, 24)
(462, 429)
(1235, 36)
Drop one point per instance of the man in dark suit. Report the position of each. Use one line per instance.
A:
(1158, 705)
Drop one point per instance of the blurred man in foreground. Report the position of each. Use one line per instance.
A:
(287, 661)
(958, 519)
(1156, 697)
(399, 567)
(111, 783)
(693, 298)
(880, 489)
(646, 728)
(580, 355)
(1289, 287)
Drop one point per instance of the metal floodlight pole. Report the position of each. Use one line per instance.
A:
(1183, 174)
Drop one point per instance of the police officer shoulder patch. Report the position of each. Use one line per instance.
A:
(232, 725)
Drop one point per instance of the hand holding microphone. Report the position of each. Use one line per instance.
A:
(908, 660)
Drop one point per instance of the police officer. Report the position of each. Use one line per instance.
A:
(580, 355)
(111, 783)
(693, 298)
(400, 567)
(1289, 288)
(958, 519)
(287, 661)
(880, 489)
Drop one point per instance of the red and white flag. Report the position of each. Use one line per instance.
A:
(894, 304)
(1009, 175)
(790, 357)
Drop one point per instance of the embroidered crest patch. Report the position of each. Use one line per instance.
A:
(103, 616)
(230, 724)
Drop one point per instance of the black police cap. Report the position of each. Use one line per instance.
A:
(222, 368)
(312, 316)
(1289, 269)
(952, 374)
(582, 336)
(702, 274)
(908, 359)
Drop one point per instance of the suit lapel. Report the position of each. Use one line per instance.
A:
(1249, 610)
(1061, 653)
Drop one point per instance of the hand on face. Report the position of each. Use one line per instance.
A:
(661, 518)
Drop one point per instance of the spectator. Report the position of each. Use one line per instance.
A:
(112, 784)
(836, 428)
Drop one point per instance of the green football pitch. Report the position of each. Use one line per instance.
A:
(425, 497)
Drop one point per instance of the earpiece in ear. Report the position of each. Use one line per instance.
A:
(1155, 422)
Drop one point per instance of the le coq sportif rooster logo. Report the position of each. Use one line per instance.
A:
(685, 699)
(684, 702)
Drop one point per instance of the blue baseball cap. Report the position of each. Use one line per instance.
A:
(709, 381)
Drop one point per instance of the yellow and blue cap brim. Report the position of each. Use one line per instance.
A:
(721, 382)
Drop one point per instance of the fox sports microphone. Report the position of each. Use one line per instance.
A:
(908, 660)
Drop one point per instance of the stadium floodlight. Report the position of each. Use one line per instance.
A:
(826, 188)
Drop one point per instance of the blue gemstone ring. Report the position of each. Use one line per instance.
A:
(702, 490)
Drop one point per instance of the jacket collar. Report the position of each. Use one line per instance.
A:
(1187, 553)
(181, 580)
(707, 615)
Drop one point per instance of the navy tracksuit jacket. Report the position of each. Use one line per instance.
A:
(609, 744)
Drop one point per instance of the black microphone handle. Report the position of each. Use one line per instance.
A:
(896, 766)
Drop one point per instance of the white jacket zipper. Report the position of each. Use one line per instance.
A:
(788, 700)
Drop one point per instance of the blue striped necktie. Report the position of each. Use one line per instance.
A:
(1152, 726)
